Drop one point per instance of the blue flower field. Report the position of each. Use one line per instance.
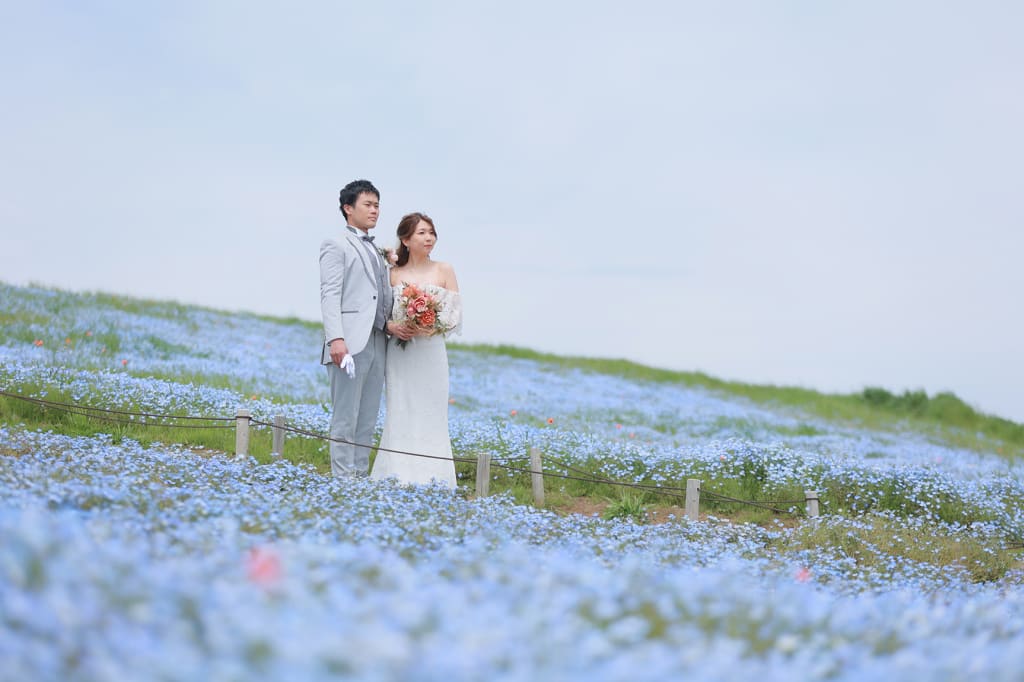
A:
(127, 558)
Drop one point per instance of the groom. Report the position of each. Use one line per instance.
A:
(355, 302)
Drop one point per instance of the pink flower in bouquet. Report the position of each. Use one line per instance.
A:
(418, 306)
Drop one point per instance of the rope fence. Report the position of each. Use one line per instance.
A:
(98, 412)
(667, 489)
(54, 404)
(468, 460)
(243, 421)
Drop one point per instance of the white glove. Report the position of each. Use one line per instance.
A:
(349, 365)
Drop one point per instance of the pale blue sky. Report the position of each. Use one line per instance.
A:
(815, 194)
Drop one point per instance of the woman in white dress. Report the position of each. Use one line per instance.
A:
(416, 372)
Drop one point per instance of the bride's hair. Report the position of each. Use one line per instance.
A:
(406, 226)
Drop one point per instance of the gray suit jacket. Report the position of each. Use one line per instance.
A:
(348, 293)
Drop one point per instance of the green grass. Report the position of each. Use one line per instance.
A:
(580, 482)
(17, 326)
(871, 545)
(167, 349)
(628, 505)
(760, 501)
(872, 541)
(35, 416)
(943, 415)
(750, 484)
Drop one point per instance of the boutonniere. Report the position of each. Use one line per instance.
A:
(389, 255)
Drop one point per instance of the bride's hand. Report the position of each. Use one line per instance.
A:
(401, 329)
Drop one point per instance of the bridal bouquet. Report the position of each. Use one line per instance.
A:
(421, 310)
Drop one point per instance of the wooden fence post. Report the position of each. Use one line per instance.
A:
(242, 434)
(483, 474)
(277, 452)
(812, 503)
(537, 477)
(693, 499)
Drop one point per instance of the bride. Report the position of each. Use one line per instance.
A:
(416, 371)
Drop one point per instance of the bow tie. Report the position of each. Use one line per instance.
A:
(367, 238)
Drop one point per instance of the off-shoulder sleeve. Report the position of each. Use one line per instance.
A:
(451, 312)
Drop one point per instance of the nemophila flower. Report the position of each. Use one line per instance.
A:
(159, 559)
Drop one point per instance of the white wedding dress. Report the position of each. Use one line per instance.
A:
(416, 403)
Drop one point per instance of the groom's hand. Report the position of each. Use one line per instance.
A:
(338, 351)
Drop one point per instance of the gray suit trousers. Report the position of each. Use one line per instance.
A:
(356, 403)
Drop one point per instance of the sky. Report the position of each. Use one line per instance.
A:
(824, 195)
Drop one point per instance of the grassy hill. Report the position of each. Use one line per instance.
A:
(942, 415)
(137, 547)
(599, 422)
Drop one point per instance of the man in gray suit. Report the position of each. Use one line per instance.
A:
(355, 301)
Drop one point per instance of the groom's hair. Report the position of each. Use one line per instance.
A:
(351, 191)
